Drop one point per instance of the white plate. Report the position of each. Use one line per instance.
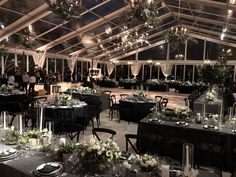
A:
(54, 164)
(209, 127)
(182, 123)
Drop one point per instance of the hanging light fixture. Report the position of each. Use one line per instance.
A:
(67, 9)
(141, 12)
(177, 33)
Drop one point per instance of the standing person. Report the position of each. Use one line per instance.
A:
(25, 80)
(32, 82)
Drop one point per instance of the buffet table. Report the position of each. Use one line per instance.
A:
(161, 138)
(134, 111)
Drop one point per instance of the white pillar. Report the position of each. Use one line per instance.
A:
(76, 71)
(168, 52)
(15, 59)
(47, 64)
(204, 50)
(128, 72)
(55, 66)
(234, 72)
(82, 70)
(193, 73)
(185, 50)
(27, 63)
(150, 74)
(175, 71)
(63, 69)
(184, 73)
(3, 67)
(143, 72)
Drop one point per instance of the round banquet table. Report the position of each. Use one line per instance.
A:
(63, 114)
(134, 111)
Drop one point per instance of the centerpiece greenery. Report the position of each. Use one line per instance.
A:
(183, 111)
(139, 95)
(85, 90)
(210, 96)
(65, 100)
(6, 89)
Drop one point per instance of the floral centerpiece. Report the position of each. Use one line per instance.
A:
(6, 89)
(65, 99)
(152, 81)
(183, 111)
(10, 136)
(210, 96)
(139, 95)
(23, 139)
(85, 90)
(95, 155)
(147, 164)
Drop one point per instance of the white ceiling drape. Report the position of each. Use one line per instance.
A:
(135, 68)
(71, 62)
(39, 58)
(110, 68)
(166, 69)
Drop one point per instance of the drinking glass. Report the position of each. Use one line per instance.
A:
(188, 154)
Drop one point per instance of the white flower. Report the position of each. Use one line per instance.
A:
(127, 165)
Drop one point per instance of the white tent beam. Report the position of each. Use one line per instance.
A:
(116, 36)
(3, 2)
(215, 4)
(83, 29)
(205, 20)
(25, 21)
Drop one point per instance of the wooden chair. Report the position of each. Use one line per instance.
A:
(73, 130)
(108, 92)
(164, 103)
(109, 132)
(128, 141)
(158, 98)
(124, 95)
(114, 106)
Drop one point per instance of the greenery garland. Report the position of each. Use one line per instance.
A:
(67, 9)
(141, 12)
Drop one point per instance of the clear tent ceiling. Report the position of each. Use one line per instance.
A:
(31, 24)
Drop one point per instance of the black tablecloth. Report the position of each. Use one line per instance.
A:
(134, 111)
(159, 138)
(25, 166)
(13, 102)
(157, 87)
(60, 115)
(103, 100)
(186, 88)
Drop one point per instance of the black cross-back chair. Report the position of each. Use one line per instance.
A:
(110, 132)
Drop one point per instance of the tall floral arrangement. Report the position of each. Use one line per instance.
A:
(65, 99)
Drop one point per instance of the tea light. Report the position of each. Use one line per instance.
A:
(62, 141)
(32, 143)
(165, 170)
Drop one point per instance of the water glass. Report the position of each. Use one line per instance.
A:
(188, 154)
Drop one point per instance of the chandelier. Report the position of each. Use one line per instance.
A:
(142, 12)
(178, 33)
(67, 9)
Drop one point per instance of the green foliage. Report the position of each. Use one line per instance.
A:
(67, 148)
(218, 74)
(65, 9)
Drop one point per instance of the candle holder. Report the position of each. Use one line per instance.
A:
(187, 161)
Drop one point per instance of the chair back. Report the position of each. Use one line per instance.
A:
(112, 100)
(158, 98)
(124, 95)
(108, 92)
(101, 131)
(164, 102)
